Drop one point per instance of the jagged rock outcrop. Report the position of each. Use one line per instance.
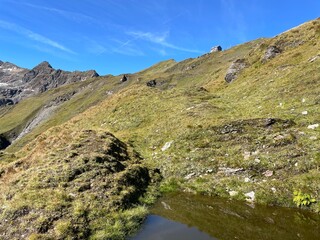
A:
(5, 101)
(124, 78)
(235, 69)
(216, 49)
(17, 83)
(152, 83)
(270, 53)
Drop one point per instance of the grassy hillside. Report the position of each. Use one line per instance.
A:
(254, 139)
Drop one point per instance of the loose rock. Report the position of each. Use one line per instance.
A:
(250, 196)
(166, 146)
(152, 83)
(270, 53)
(235, 69)
(313, 126)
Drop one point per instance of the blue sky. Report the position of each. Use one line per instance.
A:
(126, 36)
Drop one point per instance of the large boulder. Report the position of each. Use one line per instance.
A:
(270, 53)
(234, 70)
(6, 101)
(152, 83)
(124, 78)
(216, 49)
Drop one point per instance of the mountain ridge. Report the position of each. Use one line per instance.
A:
(18, 83)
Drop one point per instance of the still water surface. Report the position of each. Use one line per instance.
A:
(187, 217)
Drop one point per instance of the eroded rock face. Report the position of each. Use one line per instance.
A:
(270, 53)
(6, 102)
(235, 69)
(152, 83)
(17, 83)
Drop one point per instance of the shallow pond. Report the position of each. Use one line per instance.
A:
(184, 216)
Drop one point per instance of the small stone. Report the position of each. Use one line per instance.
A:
(279, 137)
(255, 153)
(303, 100)
(189, 176)
(246, 155)
(257, 160)
(210, 171)
(313, 126)
(250, 196)
(233, 193)
(304, 113)
(296, 164)
(268, 173)
(247, 179)
(273, 189)
(166, 146)
(166, 206)
(313, 138)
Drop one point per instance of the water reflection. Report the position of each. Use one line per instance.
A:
(226, 219)
(159, 228)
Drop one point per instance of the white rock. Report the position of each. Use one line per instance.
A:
(210, 171)
(273, 189)
(246, 155)
(189, 176)
(250, 196)
(166, 146)
(313, 126)
(257, 160)
(166, 206)
(296, 164)
(247, 179)
(268, 173)
(304, 113)
(255, 153)
(303, 100)
(233, 193)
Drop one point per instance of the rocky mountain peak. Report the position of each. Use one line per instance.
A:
(43, 65)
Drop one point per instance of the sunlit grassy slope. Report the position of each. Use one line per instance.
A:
(257, 134)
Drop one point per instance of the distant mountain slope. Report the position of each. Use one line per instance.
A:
(17, 83)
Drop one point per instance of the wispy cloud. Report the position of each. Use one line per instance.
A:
(74, 16)
(127, 48)
(160, 39)
(33, 36)
(95, 47)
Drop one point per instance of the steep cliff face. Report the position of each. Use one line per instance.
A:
(18, 83)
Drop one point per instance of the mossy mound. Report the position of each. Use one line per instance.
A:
(73, 185)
